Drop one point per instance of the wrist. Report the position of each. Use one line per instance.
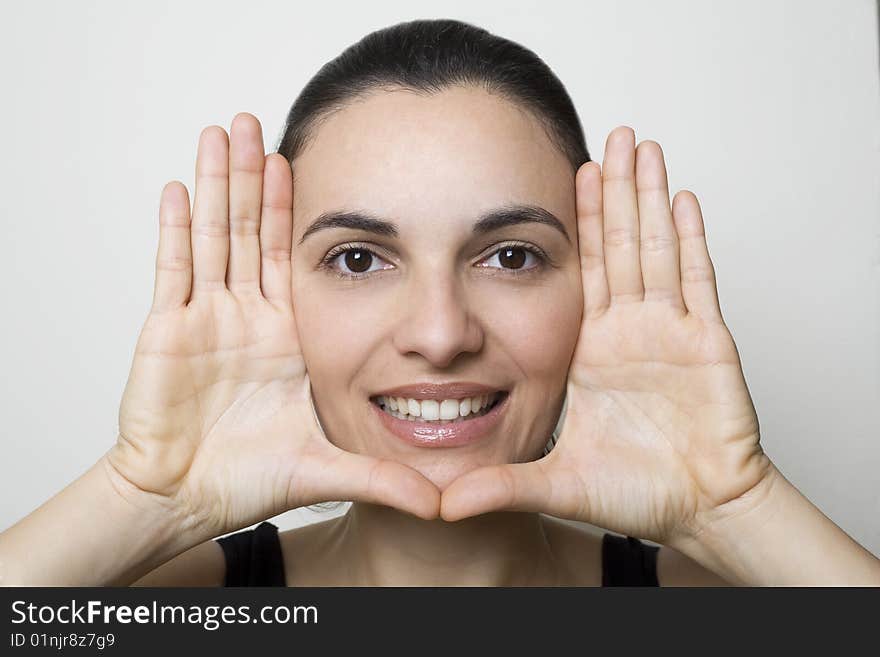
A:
(97, 531)
(774, 536)
(720, 539)
(160, 527)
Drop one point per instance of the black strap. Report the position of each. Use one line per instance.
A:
(253, 557)
(626, 561)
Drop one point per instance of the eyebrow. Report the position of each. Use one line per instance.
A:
(508, 215)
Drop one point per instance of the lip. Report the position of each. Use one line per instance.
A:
(438, 391)
(442, 434)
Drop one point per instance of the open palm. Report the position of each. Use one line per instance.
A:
(660, 430)
(216, 418)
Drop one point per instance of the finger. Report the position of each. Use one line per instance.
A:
(510, 487)
(246, 158)
(345, 476)
(276, 229)
(621, 217)
(174, 256)
(658, 242)
(697, 272)
(210, 220)
(588, 190)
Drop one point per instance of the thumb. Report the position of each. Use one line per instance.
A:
(338, 475)
(509, 487)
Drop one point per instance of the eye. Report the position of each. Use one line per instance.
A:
(513, 258)
(351, 261)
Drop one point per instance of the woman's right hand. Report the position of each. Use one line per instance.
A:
(216, 418)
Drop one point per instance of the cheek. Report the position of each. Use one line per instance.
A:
(337, 331)
(537, 326)
(336, 325)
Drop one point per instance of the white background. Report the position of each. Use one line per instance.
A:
(767, 110)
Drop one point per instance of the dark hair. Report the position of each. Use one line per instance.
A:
(427, 56)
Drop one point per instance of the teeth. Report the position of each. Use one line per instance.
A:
(430, 409)
(448, 409)
(435, 409)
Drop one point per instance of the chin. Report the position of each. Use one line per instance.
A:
(443, 474)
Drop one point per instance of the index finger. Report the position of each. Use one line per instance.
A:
(276, 229)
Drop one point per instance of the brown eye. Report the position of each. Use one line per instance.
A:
(353, 261)
(512, 257)
(358, 260)
(517, 259)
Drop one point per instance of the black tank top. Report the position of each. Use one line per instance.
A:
(254, 558)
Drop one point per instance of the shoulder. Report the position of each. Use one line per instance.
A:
(311, 554)
(677, 569)
(581, 546)
(206, 564)
(578, 546)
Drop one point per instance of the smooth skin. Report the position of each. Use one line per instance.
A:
(660, 431)
(660, 441)
(216, 427)
(560, 535)
(216, 413)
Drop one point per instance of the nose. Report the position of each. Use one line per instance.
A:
(438, 325)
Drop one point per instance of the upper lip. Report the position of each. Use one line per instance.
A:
(439, 391)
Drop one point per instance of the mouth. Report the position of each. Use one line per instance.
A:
(446, 411)
(441, 423)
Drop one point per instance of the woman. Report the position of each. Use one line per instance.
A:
(432, 241)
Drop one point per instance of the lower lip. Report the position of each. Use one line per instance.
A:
(443, 434)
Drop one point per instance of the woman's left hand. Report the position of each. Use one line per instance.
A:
(661, 436)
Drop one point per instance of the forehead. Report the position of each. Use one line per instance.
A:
(459, 151)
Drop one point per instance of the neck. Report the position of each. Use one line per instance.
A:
(385, 547)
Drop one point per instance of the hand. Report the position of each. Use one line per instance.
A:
(216, 419)
(660, 435)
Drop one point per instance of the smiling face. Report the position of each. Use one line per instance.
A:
(429, 299)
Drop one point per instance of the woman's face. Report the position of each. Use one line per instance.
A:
(431, 300)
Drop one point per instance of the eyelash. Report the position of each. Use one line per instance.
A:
(335, 252)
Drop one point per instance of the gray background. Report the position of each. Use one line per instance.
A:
(767, 110)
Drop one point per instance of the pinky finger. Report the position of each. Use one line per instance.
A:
(697, 272)
(174, 257)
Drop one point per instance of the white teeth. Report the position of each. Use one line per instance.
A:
(430, 409)
(448, 409)
(435, 409)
